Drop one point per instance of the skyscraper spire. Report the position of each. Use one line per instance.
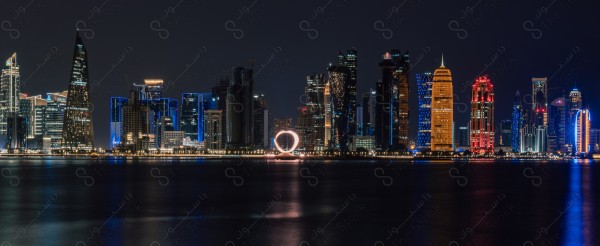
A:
(443, 60)
(78, 131)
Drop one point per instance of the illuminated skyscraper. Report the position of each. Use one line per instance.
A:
(213, 130)
(192, 114)
(482, 116)
(368, 107)
(424, 83)
(11, 123)
(350, 61)
(573, 105)
(78, 130)
(339, 80)
(315, 102)
(517, 123)
(557, 125)
(392, 111)
(442, 110)
(539, 118)
(116, 121)
(583, 125)
(262, 116)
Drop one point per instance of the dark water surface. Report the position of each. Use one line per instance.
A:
(250, 202)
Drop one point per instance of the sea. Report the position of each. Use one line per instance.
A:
(241, 201)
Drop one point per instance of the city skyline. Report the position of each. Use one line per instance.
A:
(282, 73)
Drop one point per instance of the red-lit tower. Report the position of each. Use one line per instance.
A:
(482, 116)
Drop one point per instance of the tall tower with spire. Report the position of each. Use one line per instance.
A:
(442, 110)
(78, 131)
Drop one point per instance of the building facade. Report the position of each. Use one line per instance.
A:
(442, 110)
(482, 116)
(78, 130)
(425, 86)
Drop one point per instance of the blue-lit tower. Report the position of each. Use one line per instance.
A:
(116, 120)
(424, 84)
(517, 123)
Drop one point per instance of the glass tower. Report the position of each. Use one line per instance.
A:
(424, 83)
(78, 131)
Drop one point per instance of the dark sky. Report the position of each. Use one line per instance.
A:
(192, 43)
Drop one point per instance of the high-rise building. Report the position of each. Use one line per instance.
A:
(116, 121)
(505, 133)
(539, 118)
(136, 130)
(442, 110)
(239, 110)
(582, 130)
(10, 113)
(78, 130)
(328, 114)
(349, 60)
(341, 120)
(192, 114)
(574, 104)
(261, 122)
(464, 138)
(282, 124)
(304, 128)
(213, 130)
(557, 125)
(517, 123)
(424, 84)
(315, 102)
(368, 107)
(391, 123)
(219, 93)
(151, 89)
(482, 116)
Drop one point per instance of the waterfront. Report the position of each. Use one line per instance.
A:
(58, 201)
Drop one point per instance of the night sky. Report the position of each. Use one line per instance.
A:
(191, 44)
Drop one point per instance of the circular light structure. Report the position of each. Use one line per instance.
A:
(294, 146)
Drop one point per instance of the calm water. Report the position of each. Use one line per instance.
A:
(245, 202)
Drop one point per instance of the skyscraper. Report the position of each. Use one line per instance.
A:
(350, 61)
(573, 105)
(557, 125)
(116, 121)
(315, 102)
(192, 114)
(305, 129)
(582, 129)
(482, 116)
(505, 133)
(213, 130)
(239, 110)
(540, 113)
(78, 130)
(368, 106)
(339, 78)
(517, 123)
(464, 139)
(424, 83)
(136, 119)
(442, 110)
(261, 122)
(392, 111)
(10, 92)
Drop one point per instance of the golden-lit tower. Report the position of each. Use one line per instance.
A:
(582, 131)
(442, 110)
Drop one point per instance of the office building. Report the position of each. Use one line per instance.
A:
(425, 86)
(442, 110)
(482, 116)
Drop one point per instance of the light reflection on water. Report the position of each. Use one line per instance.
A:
(285, 202)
